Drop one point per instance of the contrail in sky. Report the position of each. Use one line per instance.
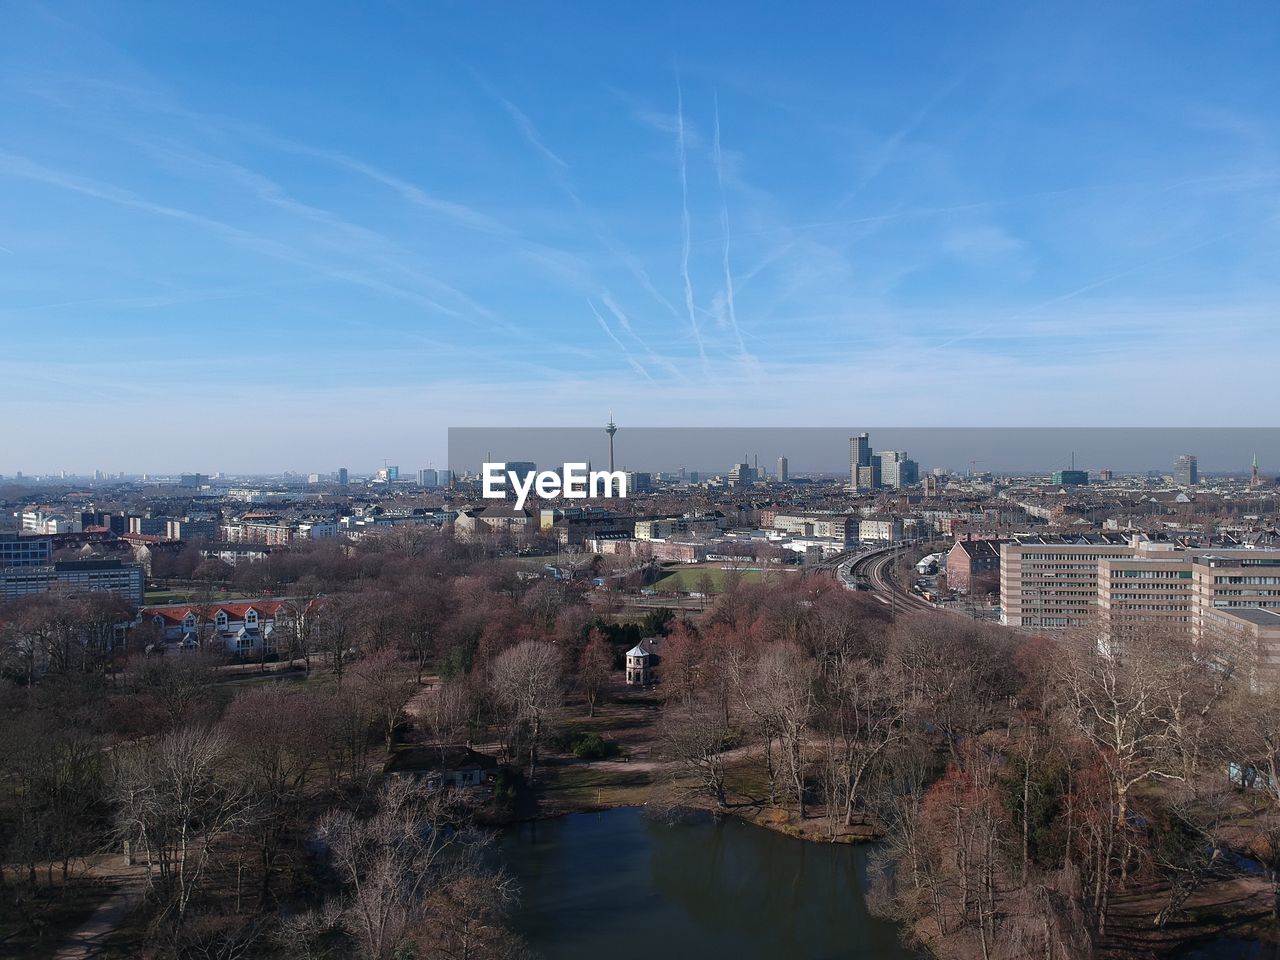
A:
(724, 224)
(684, 223)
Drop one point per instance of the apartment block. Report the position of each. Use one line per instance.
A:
(969, 560)
(191, 530)
(879, 530)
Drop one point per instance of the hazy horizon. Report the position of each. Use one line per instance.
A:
(815, 450)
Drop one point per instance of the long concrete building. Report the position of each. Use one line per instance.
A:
(1111, 586)
(70, 577)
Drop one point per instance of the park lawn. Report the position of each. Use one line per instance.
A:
(157, 597)
(592, 787)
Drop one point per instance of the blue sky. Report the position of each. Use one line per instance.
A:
(319, 234)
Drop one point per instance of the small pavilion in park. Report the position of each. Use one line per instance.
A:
(641, 660)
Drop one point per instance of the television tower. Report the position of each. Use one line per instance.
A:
(611, 428)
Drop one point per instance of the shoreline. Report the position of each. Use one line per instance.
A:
(1204, 925)
(774, 819)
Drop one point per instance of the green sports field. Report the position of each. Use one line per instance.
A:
(684, 579)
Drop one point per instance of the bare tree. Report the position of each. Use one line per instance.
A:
(864, 716)
(175, 803)
(778, 690)
(276, 745)
(595, 669)
(380, 679)
(696, 736)
(527, 686)
(414, 845)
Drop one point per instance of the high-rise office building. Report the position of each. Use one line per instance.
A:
(342, 476)
(859, 460)
(1070, 478)
(1185, 473)
(741, 474)
(428, 478)
(897, 470)
(782, 470)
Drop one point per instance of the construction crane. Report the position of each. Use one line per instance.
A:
(972, 464)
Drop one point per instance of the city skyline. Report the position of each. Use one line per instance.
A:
(1011, 451)
(894, 212)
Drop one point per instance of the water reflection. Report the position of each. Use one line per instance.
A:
(620, 885)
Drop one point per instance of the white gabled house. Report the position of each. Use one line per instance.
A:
(245, 628)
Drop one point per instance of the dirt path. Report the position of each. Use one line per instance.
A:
(126, 886)
(420, 701)
(92, 936)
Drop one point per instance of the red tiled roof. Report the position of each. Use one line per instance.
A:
(235, 610)
(142, 538)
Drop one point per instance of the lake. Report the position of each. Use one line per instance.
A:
(619, 885)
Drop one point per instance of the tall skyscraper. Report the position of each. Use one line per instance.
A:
(782, 470)
(1185, 473)
(342, 476)
(897, 470)
(859, 458)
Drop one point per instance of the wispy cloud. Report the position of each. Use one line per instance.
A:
(724, 226)
(1107, 280)
(19, 166)
(685, 228)
(625, 322)
(531, 132)
(560, 175)
(631, 361)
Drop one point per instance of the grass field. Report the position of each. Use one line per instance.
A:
(687, 578)
(153, 597)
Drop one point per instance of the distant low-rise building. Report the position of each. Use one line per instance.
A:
(1070, 478)
(667, 528)
(479, 521)
(447, 766)
(49, 523)
(191, 530)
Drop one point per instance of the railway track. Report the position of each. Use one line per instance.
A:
(876, 567)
